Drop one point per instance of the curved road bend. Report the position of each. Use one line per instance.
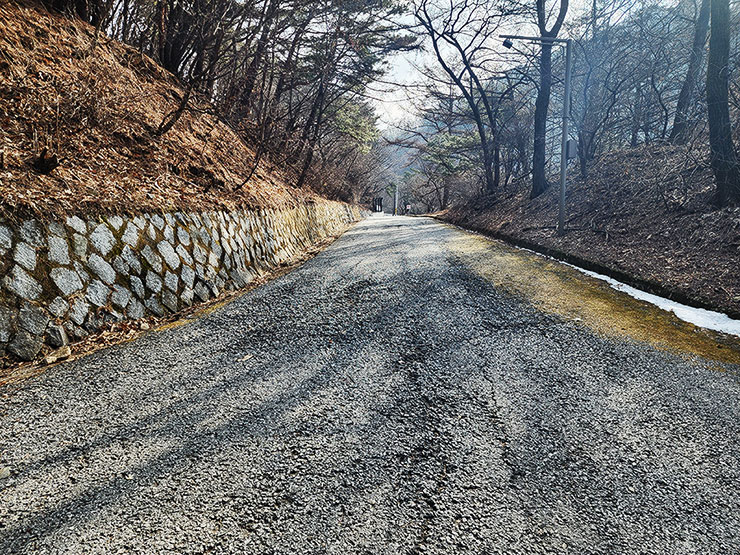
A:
(382, 399)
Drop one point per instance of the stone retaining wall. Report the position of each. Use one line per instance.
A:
(61, 281)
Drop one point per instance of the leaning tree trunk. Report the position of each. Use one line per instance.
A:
(723, 157)
(539, 181)
(680, 130)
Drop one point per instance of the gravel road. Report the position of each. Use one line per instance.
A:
(380, 399)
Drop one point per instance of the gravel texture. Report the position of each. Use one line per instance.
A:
(380, 399)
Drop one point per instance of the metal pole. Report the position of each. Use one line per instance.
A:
(564, 140)
(395, 205)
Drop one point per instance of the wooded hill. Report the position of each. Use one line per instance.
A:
(92, 124)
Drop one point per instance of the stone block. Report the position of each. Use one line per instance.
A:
(137, 286)
(102, 239)
(168, 253)
(97, 293)
(154, 307)
(80, 269)
(25, 345)
(58, 250)
(58, 307)
(184, 255)
(188, 276)
(153, 282)
(169, 299)
(79, 246)
(135, 309)
(23, 285)
(131, 259)
(115, 221)
(131, 235)
(33, 233)
(102, 269)
(57, 228)
(32, 318)
(154, 260)
(187, 296)
(77, 224)
(121, 296)
(183, 236)
(56, 336)
(25, 255)
(7, 323)
(6, 237)
(157, 221)
(202, 291)
(78, 311)
(171, 281)
(120, 265)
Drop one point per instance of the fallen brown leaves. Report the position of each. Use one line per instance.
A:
(97, 112)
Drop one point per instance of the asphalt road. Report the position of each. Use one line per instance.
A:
(384, 399)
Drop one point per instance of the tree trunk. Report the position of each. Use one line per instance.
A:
(679, 132)
(723, 157)
(539, 181)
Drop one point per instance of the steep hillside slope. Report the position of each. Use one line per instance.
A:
(96, 106)
(643, 215)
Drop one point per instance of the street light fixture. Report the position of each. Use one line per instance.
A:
(566, 113)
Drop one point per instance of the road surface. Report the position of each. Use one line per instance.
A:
(384, 398)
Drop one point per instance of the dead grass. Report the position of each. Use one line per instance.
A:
(646, 213)
(98, 110)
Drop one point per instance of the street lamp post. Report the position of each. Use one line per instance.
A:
(566, 114)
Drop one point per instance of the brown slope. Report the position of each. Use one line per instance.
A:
(97, 109)
(643, 215)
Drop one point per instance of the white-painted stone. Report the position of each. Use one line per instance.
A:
(58, 250)
(157, 221)
(169, 234)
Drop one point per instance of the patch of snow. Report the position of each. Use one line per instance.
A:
(700, 317)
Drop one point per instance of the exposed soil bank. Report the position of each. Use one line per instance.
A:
(673, 244)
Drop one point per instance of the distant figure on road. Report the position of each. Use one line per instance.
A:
(408, 209)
